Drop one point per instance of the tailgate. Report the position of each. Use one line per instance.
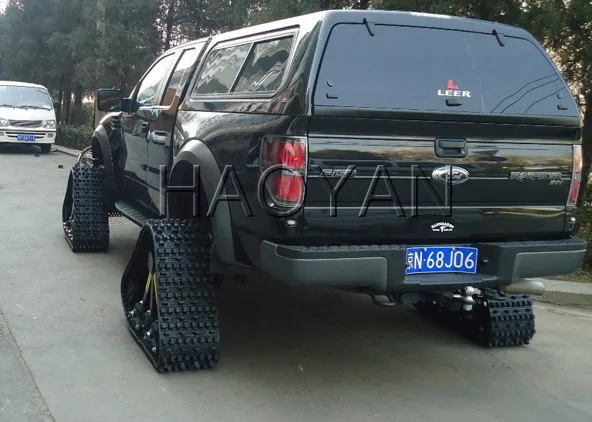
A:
(505, 186)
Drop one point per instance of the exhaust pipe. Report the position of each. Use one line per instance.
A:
(525, 286)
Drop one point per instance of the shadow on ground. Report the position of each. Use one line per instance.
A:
(275, 329)
(17, 149)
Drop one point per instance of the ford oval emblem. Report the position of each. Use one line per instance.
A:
(450, 174)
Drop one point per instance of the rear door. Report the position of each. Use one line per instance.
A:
(160, 130)
(410, 107)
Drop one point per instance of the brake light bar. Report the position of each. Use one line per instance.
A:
(576, 177)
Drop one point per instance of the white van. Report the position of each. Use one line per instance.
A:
(27, 115)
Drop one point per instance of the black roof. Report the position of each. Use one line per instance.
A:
(328, 18)
(385, 17)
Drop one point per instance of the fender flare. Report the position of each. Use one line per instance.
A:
(196, 153)
(100, 140)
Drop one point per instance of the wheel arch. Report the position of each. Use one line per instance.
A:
(196, 153)
(101, 150)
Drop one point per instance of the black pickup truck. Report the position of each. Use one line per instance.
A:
(420, 159)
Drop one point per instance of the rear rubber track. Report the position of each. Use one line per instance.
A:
(84, 212)
(185, 334)
(496, 320)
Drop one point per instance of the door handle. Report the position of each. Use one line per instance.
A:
(451, 148)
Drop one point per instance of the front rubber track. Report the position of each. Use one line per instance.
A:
(84, 211)
(187, 322)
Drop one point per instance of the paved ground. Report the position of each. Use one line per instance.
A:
(288, 355)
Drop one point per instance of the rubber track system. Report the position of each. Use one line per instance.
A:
(496, 320)
(185, 334)
(84, 215)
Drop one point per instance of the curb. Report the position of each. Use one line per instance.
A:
(566, 293)
(67, 151)
(565, 299)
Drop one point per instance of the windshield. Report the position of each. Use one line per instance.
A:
(24, 97)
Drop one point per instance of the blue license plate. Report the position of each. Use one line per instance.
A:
(441, 259)
(27, 138)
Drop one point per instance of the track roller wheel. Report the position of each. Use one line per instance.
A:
(168, 296)
(84, 216)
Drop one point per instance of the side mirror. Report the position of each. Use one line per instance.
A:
(109, 100)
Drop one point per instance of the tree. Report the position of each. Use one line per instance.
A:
(503, 11)
(565, 29)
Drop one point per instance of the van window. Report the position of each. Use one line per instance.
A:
(411, 68)
(265, 66)
(221, 69)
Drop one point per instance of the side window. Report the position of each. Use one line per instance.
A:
(265, 66)
(148, 89)
(221, 69)
(180, 75)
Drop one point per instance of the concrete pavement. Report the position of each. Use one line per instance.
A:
(20, 399)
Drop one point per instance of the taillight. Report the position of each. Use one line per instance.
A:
(576, 177)
(283, 165)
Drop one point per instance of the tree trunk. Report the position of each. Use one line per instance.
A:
(123, 81)
(170, 19)
(484, 10)
(78, 95)
(68, 102)
(586, 148)
(100, 26)
(197, 24)
(61, 101)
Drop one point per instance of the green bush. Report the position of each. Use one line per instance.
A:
(82, 116)
(588, 199)
(76, 137)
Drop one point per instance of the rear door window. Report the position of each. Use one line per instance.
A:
(180, 75)
(419, 69)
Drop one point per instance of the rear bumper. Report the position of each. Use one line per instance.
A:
(382, 267)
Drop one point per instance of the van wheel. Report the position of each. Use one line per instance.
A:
(45, 148)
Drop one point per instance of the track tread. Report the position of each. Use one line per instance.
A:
(511, 320)
(497, 320)
(88, 229)
(187, 314)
